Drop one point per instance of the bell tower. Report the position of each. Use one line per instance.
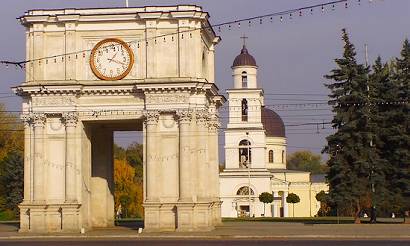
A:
(245, 126)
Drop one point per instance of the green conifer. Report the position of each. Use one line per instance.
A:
(351, 156)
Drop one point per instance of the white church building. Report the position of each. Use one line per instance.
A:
(255, 154)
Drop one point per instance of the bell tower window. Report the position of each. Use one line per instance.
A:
(270, 156)
(283, 156)
(245, 155)
(244, 80)
(244, 110)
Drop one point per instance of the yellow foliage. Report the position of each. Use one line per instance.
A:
(127, 186)
(11, 134)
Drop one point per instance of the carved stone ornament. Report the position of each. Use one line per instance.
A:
(213, 125)
(70, 118)
(53, 100)
(184, 116)
(166, 98)
(202, 117)
(27, 119)
(151, 116)
(39, 119)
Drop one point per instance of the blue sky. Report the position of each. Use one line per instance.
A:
(292, 56)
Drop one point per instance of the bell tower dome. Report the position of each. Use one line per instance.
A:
(244, 69)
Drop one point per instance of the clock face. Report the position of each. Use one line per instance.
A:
(111, 59)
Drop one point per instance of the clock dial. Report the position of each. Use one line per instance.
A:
(111, 59)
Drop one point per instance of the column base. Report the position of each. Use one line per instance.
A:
(46, 218)
(159, 216)
(181, 216)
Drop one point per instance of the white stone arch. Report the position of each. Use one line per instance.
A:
(240, 185)
(244, 152)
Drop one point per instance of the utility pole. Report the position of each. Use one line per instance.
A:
(372, 188)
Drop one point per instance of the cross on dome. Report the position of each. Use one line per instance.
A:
(244, 58)
(244, 39)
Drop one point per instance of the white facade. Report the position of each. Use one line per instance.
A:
(70, 115)
(255, 154)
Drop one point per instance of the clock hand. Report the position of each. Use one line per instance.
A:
(113, 57)
(122, 63)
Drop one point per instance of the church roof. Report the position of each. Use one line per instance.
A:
(273, 124)
(244, 59)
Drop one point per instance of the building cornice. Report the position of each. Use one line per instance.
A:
(156, 85)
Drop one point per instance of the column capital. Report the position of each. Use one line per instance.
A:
(27, 119)
(213, 126)
(151, 116)
(70, 118)
(202, 117)
(184, 116)
(39, 119)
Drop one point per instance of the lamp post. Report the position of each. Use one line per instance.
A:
(247, 165)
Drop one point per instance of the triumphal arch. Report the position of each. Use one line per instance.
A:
(94, 71)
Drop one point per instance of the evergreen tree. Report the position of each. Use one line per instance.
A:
(384, 90)
(351, 156)
(12, 180)
(398, 141)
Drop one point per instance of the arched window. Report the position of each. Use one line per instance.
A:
(270, 156)
(244, 80)
(244, 191)
(283, 156)
(244, 110)
(245, 154)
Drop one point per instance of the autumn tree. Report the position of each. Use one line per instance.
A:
(306, 161)
(11, 162)
(127, 192)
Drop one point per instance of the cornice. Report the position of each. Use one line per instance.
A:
(157, 87)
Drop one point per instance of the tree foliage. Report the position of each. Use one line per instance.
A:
(12, 181)
(293, 198)
(390, 83)
(306, 161)
(11, 163)
(265, 197)
(369, 153)
(127, 192)
(352, 159)
(325, 203)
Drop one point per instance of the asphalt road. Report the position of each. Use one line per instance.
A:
(155, 242)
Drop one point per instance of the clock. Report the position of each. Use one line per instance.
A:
(111, 59)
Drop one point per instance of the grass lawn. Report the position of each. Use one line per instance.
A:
(6, 216)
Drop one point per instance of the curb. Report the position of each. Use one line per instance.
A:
(220, 237)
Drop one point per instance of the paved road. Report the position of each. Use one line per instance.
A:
(143, 242)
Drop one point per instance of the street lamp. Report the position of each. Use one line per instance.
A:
(247, 165)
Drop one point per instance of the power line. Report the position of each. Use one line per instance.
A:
(259, 19)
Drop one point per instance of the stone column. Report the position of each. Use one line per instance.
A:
(213, 126)
(27, 120)
(274, 204)
(214, 168)
(204, 175)
(70, 119)
(151, 122)
(285, 204)
(185, 178)
(39, 169)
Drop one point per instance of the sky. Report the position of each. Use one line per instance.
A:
(292, 55)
